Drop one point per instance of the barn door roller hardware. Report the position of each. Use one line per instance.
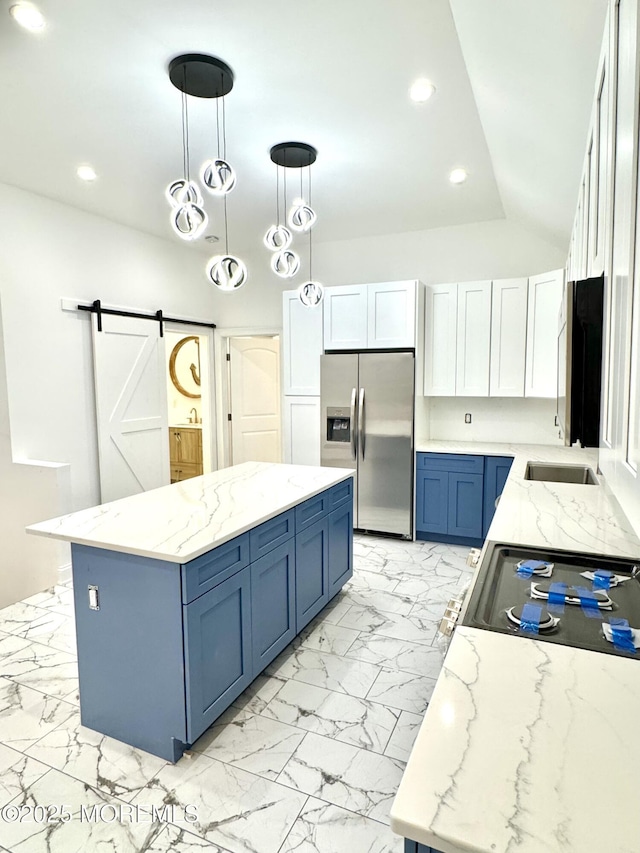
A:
(96, 308)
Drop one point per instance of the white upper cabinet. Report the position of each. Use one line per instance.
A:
(301, 346)
(370, 316)
(391, 315)
(508, 337)
(345, 317)
(545, 295)
(441, 326)
(473, 339)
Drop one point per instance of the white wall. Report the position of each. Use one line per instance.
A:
(29, 492)
(496, 249)
(50, 251)
(528, 421)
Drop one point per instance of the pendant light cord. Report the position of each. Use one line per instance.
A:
(311, 229)
(185, 137)
(224, 157)
(277, 195)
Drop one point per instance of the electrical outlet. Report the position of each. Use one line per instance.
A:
(467, 418)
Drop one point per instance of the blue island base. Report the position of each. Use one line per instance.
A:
(164, 648)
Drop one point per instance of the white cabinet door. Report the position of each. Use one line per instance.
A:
(391, 315)
(345, 318)
(301, 345)
(508, 337)
(440, 340)
(545, 295)
(474, 339)
(302, 430)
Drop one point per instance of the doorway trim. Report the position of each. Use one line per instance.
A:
(221, 337)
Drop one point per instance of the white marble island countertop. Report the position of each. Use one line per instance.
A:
(568, 516)
(526, 746)
(180, 522)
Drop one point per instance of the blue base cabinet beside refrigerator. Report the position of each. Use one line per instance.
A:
(456, 495)
(171, 646)
(449, 497)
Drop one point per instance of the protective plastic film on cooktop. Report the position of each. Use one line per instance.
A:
(559, 597)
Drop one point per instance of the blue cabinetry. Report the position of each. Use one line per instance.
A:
(171, 646)
(496, 471)
(218, 659)
(340, 547)
(455, 495)
(449, 497)
(414, 847)
(273, 604)
(432, 501)
(312, 571)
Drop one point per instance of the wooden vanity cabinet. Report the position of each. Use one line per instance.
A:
(185, 453)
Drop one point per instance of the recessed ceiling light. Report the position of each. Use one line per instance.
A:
(421, 90)
(86, 173)
(458, 176)
(28, 16)
(211, 238)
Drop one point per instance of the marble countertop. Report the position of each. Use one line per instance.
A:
(179, 522)
(558, 515)
(525, 746)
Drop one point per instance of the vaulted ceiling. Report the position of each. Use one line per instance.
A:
(514, 89)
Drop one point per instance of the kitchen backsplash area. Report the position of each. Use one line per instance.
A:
(504, 419)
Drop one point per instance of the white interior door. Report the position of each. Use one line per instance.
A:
(131, 406)
(255, 399)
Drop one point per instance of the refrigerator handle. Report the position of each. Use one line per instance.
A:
(361, 423)
(354, 441)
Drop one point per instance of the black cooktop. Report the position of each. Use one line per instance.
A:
(502, 598)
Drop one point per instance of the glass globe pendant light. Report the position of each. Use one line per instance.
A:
(205, 76)
(188, 216)
(285, 262)
(217, 175)
(289, 155)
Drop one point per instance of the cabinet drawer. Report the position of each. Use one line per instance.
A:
(454, 462)
(312, 510)
(207, 571)
(185, 470)
(341, 493)
(272, 533)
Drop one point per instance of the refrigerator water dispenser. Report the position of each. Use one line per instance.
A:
(338, 425)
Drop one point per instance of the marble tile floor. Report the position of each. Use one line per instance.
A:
(307, 760)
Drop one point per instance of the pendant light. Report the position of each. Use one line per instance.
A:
(203, 76)
(301, 218)
(188, 216)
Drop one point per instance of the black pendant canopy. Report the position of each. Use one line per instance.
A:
(201, 75)
(293, 155)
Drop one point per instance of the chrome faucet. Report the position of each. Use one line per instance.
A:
(193, 419)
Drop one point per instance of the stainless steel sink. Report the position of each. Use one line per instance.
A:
(580, 474)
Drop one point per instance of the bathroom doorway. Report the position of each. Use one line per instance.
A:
(250, 420)
(190, 401)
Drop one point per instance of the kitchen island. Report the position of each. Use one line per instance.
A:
(184, 594)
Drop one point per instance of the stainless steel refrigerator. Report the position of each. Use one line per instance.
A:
(367, 406)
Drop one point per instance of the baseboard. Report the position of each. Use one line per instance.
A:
(64, 574)
(449, 540)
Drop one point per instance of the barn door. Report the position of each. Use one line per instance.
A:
(131, 406)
